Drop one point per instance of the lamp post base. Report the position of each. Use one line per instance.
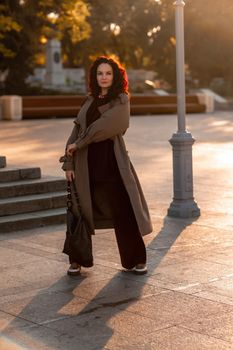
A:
(183, 209)
(183, 204)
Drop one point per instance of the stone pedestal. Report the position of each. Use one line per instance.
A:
(183, 204)
(207, 100)
(54, 70)
(2, 162)
(11, 107)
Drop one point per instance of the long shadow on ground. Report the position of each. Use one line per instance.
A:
(84, 313)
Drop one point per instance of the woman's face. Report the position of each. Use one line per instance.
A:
(104, 75)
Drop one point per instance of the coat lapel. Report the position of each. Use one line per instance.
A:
(105, 107)
(81, 118)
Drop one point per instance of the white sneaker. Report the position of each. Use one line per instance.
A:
(140, 269)
(74, 270)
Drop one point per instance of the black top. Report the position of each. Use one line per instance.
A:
(102, 163)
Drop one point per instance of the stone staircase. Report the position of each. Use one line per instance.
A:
(28, 200)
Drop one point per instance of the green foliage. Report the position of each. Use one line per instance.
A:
(209, 49)
(72, 20)
(7, 25)
(121, 29)
(136, 32)
(208, 36)
(27, 21)
(141, 34)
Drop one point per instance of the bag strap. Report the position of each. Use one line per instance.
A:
(69, 197)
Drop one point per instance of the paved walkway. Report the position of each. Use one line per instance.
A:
(186, 300)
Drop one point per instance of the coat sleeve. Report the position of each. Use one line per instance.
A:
(68, 161)
(113, 122)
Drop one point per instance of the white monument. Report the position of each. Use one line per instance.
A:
(54, 71)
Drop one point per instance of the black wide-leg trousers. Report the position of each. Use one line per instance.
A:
(129, 240)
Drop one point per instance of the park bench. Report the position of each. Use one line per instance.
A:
(69, 105)
(152, 104)
(51, 106)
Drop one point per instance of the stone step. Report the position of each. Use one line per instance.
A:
(30, 187)
(16, 174)
(32, 203)
(32, 220)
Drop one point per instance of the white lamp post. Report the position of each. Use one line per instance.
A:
(183, 204)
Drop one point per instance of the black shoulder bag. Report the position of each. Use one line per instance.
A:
(78, 243)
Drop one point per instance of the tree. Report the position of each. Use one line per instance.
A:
(7, 24)
(141, 34)
(20, 43)
(129, 30)
(32, 17)
(208, 34)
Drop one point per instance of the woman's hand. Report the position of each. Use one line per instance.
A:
(70, 175)
(71, 149)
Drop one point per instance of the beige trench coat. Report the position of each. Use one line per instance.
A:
(113, 122)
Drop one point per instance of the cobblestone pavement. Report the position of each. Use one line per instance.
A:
(185, 302)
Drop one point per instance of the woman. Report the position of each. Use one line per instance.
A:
(97, 161)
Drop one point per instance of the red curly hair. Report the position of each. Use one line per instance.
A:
(120, 80)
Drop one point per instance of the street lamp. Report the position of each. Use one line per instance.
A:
(183, 204)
